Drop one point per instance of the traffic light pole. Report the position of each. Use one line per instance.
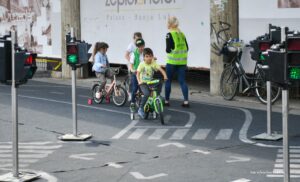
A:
(269, 135)
(285, 128)
(75, 136)
(15, 175)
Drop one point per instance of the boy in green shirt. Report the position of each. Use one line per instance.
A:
(145, 72)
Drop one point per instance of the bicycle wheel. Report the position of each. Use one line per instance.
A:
(229, 83)
(261, 89)
(96, 90)
(119, 96)
(159, 111)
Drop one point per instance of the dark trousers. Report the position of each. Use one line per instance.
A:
(134, 87)
(180, 70)
(146, 92)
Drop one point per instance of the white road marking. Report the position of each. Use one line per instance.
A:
(242, 180)
(84, 96)
(158, 134)
(57, 93)
(201, 134)
(201, 152)
(115, 165)
(224, 134)
(138, 175)
(179, 134)
(125, 130)
(291, 166)
(21, 160)
(291, 160)
(179, 145)
(28, 151)
(192, 117)
(35, 156)
(137, 134)
(280, 171)
(83, 156)
(291, 151)
(237, 159)
(291, 155)
(31, 147)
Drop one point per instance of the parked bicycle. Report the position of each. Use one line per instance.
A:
(154, 104)
(234, 73)
(113, 90)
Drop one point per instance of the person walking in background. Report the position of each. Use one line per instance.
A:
(177, 52)
(130, 49)
(135, 59)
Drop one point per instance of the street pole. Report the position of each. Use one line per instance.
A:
(14, 108)
(285, 128)
(269, 135)
(74, 102)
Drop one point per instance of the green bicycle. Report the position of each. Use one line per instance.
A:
(154, 103)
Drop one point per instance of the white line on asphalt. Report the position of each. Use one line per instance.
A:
(179, 134)
(125, 130)
(57, 93)
(280, 171)
(201, 152)
(29, 143)
(281, 176)
(179, 145)
(115, 165)
(138, 175)
(291, 155)
(31, 147)
(28, 151)
(192, 117)
(11, 165)
(291, 160)
(21, 160)
(291, 151)
(70, 103)
(237, 159)
(34, 156)
(224, 134)
(84, 96)
(291, 165)
(242, 180)
(201, 134)
(137, 134)
(158, 134)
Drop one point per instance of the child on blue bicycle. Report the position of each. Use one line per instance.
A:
(145, 72)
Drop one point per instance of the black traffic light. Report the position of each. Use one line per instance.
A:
(77, 53)
(5, 60)
(25, 64)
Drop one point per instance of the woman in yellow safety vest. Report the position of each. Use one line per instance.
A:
(177, 51)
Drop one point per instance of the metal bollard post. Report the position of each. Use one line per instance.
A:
(285, 128)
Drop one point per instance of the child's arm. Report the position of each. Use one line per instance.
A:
(138, 77)
(163, 73)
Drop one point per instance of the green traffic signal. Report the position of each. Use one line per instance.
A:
(73, 59)
(295, 73)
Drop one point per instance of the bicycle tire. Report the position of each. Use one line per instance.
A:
(229, 83)
(95, 89)
(261, 89)
(121, 98)
(160, 111)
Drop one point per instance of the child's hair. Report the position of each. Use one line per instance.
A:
(137, 34)
(139, 42)
(148, 51)
(98, 46)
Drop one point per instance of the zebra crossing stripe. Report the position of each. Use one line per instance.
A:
(291, 155)
(291, 166)
(291, 160)
(29, 152)
(291, 151)
(224, 134)
(137, 134)
(158, 134)
(201, 134)
(179, 134)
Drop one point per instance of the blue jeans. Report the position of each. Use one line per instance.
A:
(180, 70)
(134, 87)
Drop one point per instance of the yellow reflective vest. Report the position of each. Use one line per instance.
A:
(178, 56)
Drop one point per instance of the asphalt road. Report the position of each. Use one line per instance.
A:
(207, 142)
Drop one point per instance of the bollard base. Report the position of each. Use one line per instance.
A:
(71, 137)
(23, 176)
(265, 136)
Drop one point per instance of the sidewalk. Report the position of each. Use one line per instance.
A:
(198, 92)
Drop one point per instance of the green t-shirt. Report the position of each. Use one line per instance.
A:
(147, 71)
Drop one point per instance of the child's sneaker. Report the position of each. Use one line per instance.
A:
(141, 113)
